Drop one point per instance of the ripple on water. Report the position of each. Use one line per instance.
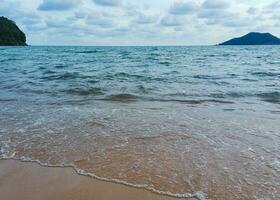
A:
(174, 120)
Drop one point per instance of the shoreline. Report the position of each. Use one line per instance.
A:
(30, 180)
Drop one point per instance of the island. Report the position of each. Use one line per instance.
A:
(254, 38)
(10, 34)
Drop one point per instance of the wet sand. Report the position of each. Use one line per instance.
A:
(25, 180)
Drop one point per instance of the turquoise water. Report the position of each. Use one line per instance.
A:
(189, 74)
(127, 114)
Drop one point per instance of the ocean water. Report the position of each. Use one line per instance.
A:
(181, 121)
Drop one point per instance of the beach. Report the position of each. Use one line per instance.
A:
(26, 180)
(184, 121)
(139, 100)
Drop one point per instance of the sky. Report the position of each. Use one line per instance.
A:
(140, 22)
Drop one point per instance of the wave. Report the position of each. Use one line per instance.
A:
(90, 51)
(230, 95)
(151, 58)
(122, 97)
(266, 74)
(49, 72)
(206, 77)
(275, 111)
(61, 66)
(127, 75)
(8, 60)
(186, 101)
(84, 91)
(65, 76)
(249, 79)
(271, 97)
(130, 98)
(7, 100)
(165, 63)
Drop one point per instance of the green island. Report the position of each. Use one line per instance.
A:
(10, 34)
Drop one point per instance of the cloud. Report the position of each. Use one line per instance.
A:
(97, 18)
(112, 3)
(170, 20)
(145, 22)
(220, 12)
(216, 4)
(183, 7)
(274, 5)
(32, 20)
(225, 18)
(214, 14)
(57, 5)
(237, 23)
(146, 19)
(253, 11)
(100, 20)
(59, 24)
(15, 11)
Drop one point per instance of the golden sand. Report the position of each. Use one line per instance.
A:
(25, 180)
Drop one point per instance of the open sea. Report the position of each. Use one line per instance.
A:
(199, 122)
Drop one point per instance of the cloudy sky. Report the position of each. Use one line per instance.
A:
(140, 22)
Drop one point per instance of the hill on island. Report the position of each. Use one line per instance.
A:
(10, 34)
(254, 38)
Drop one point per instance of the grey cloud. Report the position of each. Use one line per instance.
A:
(131, 10)
(110, 33)
(80, 15)
(56, 5)
(273, 6)
(215, 4)
(112, 3)
(237, 23)
(36, 27)
(100, 19)
(183, 8)
(253, 11)
(100, 22)
(225, 19)
(146, 19)
(132, 21)
(217, 12)
(32, 20)
(57, 23)
(213, 14)
(170, 20)
(14, 10)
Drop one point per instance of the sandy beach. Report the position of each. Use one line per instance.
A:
(188, 121)
(25, 180)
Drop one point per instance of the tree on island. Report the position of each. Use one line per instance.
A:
(10, 34)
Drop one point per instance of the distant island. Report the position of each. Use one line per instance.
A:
(10, 34)
(254, 38)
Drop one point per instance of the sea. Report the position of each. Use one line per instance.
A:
(193, 121)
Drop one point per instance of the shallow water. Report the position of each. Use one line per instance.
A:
(200, 121)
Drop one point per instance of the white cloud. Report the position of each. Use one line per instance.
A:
(112, 3)
(170, 20)
(216, 4)
(144, 22)
(253, 10)
(101, 20)
(184, 7)
(49, 5)
(146, 19)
